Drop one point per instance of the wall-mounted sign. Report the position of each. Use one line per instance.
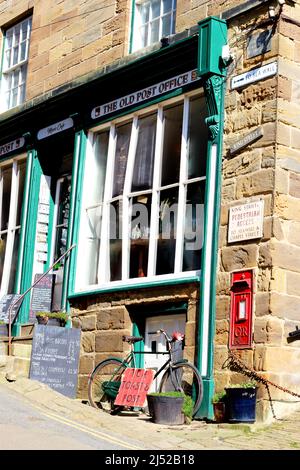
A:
(246, 140)
(259, 43)
(12, 146)
(55, 128)
(246, 221)
(254, 75)
(145, 94)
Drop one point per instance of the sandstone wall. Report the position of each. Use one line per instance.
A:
(269, 170)
(103, 320)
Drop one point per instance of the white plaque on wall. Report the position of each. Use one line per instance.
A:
(246, 221)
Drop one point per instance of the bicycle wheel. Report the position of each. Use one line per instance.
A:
(104, 383)
(184, 378)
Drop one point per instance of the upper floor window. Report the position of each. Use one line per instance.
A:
(153, 20)
(14, 70)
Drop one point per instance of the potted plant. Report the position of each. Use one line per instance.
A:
(52, 318)
(241, 402)
(218, 402)
(170, 408)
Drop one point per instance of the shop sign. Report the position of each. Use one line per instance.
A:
(134, 387)
(246, 221)
(55, 128)
(145, 94)
(12, 146)
(246, 140)
(254, 75)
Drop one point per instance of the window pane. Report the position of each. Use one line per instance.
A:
(8, 58)
(115, 242)
(6, 179)
(14, 262)
(144, 35)
(193, 234)
(3, 238)
(155, 9)
(122, 147)
(22, 171)
(167, 5)
(140, 228)
(172, 145)
(144, 160)
(197, 140)
(92, 215)
(23, 51)
(14, 97)
(144, 9)
(154, 31)
(167, 231)
(62, 219)
(166, 25)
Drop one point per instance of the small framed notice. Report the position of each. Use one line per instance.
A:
(246, 221)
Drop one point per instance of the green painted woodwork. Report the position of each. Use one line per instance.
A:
(129, 287)
(138, 347)
(30, 233)
(212, 37)
(25, 202)
(50, 228)
(132, 25)
(214, 92)
(206, 408)
(75, 198)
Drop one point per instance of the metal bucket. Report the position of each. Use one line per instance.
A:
(165, 410)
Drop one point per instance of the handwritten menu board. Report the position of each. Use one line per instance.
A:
(41, 300)
(55, 358)
(5, 302)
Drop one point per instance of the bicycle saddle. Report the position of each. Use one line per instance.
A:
(132, 339)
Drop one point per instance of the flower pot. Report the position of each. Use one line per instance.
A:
(219, 412)
(165, 410)
(241, 404)
(42, 320)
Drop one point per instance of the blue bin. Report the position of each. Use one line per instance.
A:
(241, 403)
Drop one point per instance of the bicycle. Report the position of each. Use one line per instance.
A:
(181, 375)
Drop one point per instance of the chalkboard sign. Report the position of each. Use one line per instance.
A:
(41, 300)
(5, 303)
(55, 357)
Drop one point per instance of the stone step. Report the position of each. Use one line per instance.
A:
(19, 366)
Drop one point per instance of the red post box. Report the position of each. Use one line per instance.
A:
(240, 333)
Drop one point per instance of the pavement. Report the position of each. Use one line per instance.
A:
(139, 433)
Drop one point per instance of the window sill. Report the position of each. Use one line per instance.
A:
(143, 283)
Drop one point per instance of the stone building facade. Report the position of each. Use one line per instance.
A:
(77, 49)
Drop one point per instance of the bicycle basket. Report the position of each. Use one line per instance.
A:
(111, 389)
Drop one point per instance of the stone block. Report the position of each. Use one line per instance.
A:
(285, 255)
(88, 323)
(294, 187)
(260, 330)
(21, 367)
(220, 357)
(242, 164)
(189, 353)
(103, 319)
(82, 388)
(278, 228)
(22, 350)
(222, 307)
(99, 357)
(88, 342)
(290, 326)
(269, 111)
(278, 280)
(109, 341)
(223, 283)
(222, 332)
(295, 138)
(265, 255)
(234, 258)
(228, 191)
(259, 358)
(190, 333)
(262, 304)
(86, 364)
(222, 380)
(288, 69)
(285, 306)
(284, 359)
(263, 279)
(286, 47)
(294, 233)
(192, 311)
(257, 183)
(292, 283)
(281, 181)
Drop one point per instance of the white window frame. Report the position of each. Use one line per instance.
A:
(12, 227)
(14, 75)
(104, 263)
(138, 23)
